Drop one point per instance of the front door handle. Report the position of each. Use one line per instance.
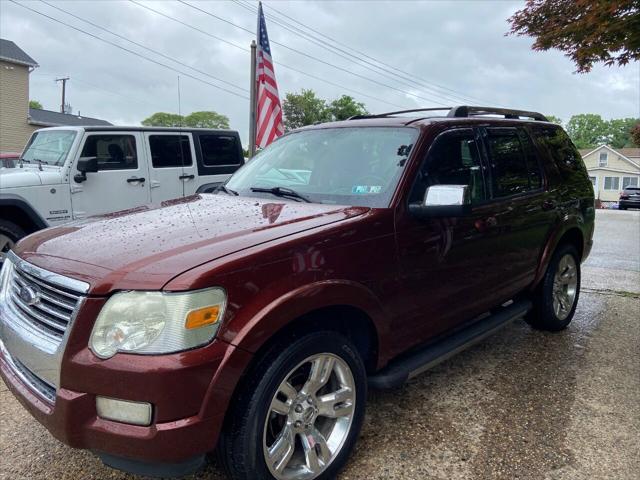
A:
(482, 225)
(548, 205)
(135, 180)
(187, 177)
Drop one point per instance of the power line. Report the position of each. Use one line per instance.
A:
(280, 64)
(128, 50)
(373, 67)
(144, 47)
(299, 52)
(409, 76)
(79, 80)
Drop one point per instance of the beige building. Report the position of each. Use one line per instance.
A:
(15, 67)
(610, 170)
(17, 120)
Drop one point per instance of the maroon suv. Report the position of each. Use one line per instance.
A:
(344, 256)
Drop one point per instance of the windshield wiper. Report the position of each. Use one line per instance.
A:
(226, 190)
(281, 192)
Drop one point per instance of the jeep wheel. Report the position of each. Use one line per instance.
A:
(10, 233)
(555, 300)
(299, 413)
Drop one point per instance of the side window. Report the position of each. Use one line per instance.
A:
(170, 151)
(113, 152)
(510, 174)
(454, 159)
(533, 165)
(218, 150)
(561, 149)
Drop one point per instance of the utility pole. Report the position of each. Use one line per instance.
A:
(252, 102)
(64, 89)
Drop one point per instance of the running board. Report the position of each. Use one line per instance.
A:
(416, 362)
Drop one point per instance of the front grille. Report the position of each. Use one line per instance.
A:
(48, 307)
(35, 382)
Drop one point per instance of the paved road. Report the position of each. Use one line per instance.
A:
(523, 404)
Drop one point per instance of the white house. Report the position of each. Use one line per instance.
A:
(610, 170)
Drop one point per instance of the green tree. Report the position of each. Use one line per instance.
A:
(345, 107)
(554, 119)
(619, 132)
(635, 135)
(163, 119)
(587, 31)
(206, 120)
(587, 130)
(35, 104)
(304, 108)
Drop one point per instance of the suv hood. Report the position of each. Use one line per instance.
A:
(146, 247)
(29, 175)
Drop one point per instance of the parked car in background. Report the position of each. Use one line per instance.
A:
(8, 160)
(70, 173)
(343, 256)
(629, 198)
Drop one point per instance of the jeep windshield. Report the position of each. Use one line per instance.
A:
(49, 147)
(357, 166)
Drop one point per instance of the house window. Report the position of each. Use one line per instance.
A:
(604, 159)
(594, 181)
(612, 183)
(629, 182)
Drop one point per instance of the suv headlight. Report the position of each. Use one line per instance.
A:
(157, 322)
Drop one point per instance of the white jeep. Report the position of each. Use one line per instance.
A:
(69, 173)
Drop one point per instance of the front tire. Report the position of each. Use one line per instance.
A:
(299, 412)
(556, 298)
(10, 233)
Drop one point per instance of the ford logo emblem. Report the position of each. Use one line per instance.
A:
(29, 295)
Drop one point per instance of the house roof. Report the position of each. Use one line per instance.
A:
(10, 52)
(48, 118)
(629, 152)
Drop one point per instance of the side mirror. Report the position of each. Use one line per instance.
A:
(443, 201)
(85, 165)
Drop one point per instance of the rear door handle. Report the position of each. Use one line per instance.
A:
(186, 177)
(135, 180)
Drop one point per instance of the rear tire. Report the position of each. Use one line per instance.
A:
(10, 233)
(555, 299)
(286, 421)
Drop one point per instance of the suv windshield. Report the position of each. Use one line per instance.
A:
(50, 147)
(357, 166)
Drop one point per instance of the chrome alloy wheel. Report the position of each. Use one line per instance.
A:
(309, 418)
(6, 244)
(565, 286)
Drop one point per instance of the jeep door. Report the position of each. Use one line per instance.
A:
(448, 266)
(172, 165)
(121, 181)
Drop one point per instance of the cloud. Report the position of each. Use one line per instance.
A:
(458, 49)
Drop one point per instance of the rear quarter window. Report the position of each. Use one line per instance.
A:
(558, 145)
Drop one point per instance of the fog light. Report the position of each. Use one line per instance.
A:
(135, 413)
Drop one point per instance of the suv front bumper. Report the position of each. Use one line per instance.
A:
(168, 442)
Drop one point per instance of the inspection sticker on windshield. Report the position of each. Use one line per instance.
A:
(363, 189)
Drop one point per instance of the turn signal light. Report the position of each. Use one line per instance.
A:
(202, 316)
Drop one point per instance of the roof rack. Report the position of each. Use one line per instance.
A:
(462, 111)
(467, 111)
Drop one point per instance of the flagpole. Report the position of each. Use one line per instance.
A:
(252, 101)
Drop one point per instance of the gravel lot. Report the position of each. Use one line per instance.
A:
(523, 404)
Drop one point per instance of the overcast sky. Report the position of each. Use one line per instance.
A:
(457, 45)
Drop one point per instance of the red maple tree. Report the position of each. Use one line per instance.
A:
(588, 31)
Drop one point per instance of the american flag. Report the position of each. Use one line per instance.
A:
(269, 125)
